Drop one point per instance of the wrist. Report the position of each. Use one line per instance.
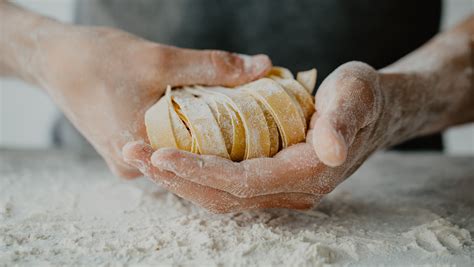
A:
(404, 106)
(422, 103)
(430, 89)
(22, 33)
(49, 39)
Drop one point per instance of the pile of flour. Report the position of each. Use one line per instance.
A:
(63, 209)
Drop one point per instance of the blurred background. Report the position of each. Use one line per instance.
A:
(27, 114)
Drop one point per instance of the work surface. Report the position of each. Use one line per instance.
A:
(57, 208)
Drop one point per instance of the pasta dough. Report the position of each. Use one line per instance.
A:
(254, 120)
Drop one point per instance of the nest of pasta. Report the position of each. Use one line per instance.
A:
(254, 120)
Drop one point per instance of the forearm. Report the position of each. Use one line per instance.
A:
(21, 35)
(432, 88)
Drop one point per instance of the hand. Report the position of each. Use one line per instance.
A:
(105, 79)
(347, 127)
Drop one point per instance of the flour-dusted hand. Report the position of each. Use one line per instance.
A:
(105, 79)
(358, 110)
(295, 177)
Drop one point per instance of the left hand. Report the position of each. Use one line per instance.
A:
(343, 133)
(105, 79)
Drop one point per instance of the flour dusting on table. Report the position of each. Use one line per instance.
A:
(63, 209)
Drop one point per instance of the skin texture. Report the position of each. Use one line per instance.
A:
(105, 79)
(359, 110)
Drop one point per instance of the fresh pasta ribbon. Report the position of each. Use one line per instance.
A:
(254, 120)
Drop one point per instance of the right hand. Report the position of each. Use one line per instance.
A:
(348, 126)
(105, 79)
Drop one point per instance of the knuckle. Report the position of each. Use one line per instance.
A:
(150, 65)
(160, 58)
(226, 63)
(359, 85)
(221, 57)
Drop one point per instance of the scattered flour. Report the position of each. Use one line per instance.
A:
(438, 236)
(64, 209)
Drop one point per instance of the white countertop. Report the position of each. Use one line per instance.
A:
(58, 208)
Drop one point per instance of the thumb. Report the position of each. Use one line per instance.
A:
(212, 67)
(345, 103)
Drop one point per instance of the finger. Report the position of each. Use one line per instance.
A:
(345, 103)
(211, 67)
(138, 154)
(291, 170)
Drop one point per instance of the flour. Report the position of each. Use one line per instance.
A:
(438, 237)
(62, 209)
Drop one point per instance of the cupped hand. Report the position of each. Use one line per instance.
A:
(105, 79)
(348, 126)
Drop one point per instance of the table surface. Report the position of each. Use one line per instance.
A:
(58, 208)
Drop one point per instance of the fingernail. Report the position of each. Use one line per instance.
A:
(339, 146)
(155, 159)
(162, 162)
(330, 145)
